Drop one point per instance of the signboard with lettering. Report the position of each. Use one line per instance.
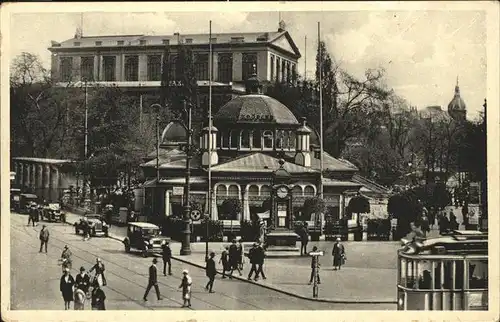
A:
(177, 191)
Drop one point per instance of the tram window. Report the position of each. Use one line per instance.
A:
(424, 275)
(478, 274)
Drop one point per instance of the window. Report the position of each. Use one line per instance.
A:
(66, 68)
(154, 67)
(98, 43)
(272, 67)
(76, 43)
(297, 191)
(238, 39)
(87, 68)
(281, 140)
(253, 191)
(283, 70)
(225, 140)
(131, 68)
(249, 60)
(109, 68)
(189, 40)
(233, 191)
(278, 62)
(234, 140)
(201, 66)
(256, 139)
(173, 67)
(165, 42)
(265, 191)
(291, 140)
(478, 274)
(268, 139)
(221, 190)
(142, 42)
(245, 139)
(225, 68)
(120, 42)
(309, 191)
(294, 73)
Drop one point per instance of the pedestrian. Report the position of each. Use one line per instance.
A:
(465, 215)
(98, 298)
(83, 281)
(186, 283)
(86, 229)
(225, 261)
(304, 239)
(153, 281)
(31, 214)
(66, 287)
(259, 258)
(233, 258)
(314, 268)
(99, 272)
(211, 272)
(444, 224)
(79, 297)
(425, 225)
(39, 214)
(44, 238)
(167, 256)
(241, 251)
(338, 254)
(251, 258)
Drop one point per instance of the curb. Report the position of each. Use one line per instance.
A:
(274, 288)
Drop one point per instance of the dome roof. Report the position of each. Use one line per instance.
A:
(255, 108)
(457, 103)
(174, 133)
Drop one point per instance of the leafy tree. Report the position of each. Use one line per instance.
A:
(314, 205)
(231, 207)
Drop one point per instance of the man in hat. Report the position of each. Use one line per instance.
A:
(44, 238)
(153, 280)
(83, 280)
(167, 256)
(260, 255)
(32, 214)
(211, 272)
(253, 262)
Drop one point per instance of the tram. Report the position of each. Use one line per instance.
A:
(447, 273)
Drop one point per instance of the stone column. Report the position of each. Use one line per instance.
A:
(167, 203)
(16, 170)
(46, 177)
(143, 68)
(21, 173)
(246, 205)
(27, 169)
(33, 176)
(97, 60)
(39, 176)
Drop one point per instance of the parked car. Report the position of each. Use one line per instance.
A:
(52, 212)
(96, 222)
(25, 201)
(15, 194)
(144, 237)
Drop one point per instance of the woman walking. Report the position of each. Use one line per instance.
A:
(99, 272)
(338, 254)
(98, 298)
(66, 287)
(186, 288)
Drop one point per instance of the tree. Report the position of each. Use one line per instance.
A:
(231, 207)
(314, 205)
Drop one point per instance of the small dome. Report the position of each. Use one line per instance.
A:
(304, 129)
(206, 129)
(174, 133)
(255, 108)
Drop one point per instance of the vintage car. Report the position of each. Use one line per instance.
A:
(25, 202)
(15, 194)
(144, 237)
(52, 212)
(96, 222)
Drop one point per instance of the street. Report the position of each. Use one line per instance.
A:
(35, 277)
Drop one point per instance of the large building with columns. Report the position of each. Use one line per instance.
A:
(134, 62)
(251, 133)
(47, 178)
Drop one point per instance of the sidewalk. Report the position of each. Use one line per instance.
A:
(368, 276)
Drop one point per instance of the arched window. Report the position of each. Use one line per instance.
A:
(253, 191)
(256, 140)
(235, 139)
(291, 140)
(225, 140)
(233, 191)
(245, 139)
(309, 191)
(221, 190)
(268, 139)
(265, 191)
(281, 140)
(297, 191)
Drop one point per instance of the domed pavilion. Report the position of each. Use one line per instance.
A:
(253, 136)
(456, 107)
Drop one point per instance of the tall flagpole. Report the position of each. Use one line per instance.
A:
(210, 125)
(320, 113)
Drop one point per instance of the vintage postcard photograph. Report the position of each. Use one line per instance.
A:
(278, 161)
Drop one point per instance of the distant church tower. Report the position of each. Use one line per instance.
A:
(457, 108)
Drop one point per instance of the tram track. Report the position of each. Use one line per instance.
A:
(109, 261)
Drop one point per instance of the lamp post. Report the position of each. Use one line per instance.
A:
(156, 107)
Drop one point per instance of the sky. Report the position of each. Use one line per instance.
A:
(422, 52)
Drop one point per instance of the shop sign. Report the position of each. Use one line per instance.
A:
(178, 191)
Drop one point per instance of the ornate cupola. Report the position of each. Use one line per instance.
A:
(210, 155)
(457, 108)
(303, 154)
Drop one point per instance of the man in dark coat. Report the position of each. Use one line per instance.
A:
(233, 258)
(44, 238)
(211, 272)
(83, 280)
(153, 281)
(167, 256)
(314, 260)
(98, 298)
(304, 239)
(259, 259)
(251, 258)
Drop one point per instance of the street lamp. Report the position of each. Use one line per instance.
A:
(156, 107)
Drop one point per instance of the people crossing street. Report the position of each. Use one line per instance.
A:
(186, 284)
(260, 255)
(253, 262)
(234, 258)
(99, 269)
(98, 298)
(66, 287)
(167, 258)
(44, 238)
(211, 272)
(224, 259)
(152, 281)
(83, 280)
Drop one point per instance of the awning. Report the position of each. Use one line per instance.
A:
(264, 215)
(183, 180)
(338, 183)
(149, 183)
